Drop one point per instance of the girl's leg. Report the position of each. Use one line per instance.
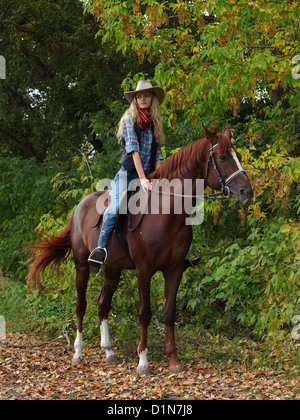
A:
(120, 185)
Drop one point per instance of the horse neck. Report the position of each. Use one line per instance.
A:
(181, 180)
(187, 164)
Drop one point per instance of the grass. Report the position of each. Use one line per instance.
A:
(12, 304)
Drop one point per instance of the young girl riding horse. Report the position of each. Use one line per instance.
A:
(140, 131)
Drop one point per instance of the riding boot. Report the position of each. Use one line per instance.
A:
(98, 255)
(97, 258)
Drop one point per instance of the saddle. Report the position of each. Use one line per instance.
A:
(118, 230)
(120, 217)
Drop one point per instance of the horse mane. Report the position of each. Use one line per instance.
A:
(181, 163)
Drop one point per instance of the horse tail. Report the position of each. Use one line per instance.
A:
(50, 250)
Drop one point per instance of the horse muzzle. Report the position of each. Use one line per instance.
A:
(243, 193)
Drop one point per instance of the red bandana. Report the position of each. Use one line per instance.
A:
(146, 119)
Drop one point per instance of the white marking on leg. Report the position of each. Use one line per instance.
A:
(143, 363)
(78, 346)
(105, 341)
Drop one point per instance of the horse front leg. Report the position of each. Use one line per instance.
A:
(111, 282)
(82, 276)
(145, 314)
(172, 281)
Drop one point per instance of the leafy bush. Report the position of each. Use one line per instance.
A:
(257, 278)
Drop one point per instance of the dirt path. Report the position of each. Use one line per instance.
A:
(45, 372)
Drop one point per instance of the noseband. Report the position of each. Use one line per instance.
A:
(224, 182)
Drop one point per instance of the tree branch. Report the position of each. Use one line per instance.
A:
(43, 69)
(27, 149)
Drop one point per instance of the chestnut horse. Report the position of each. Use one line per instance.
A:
(160, 243)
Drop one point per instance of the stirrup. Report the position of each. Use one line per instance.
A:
(97, 252)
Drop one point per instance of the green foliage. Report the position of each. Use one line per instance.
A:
(24, 194)
(263, 294)
(59, 80)
(207, 51)
(226, 63)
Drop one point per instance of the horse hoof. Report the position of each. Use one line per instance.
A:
(144, 370)
(176, 369)
(76, 361)
(112, 360)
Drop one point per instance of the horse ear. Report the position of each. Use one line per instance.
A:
(227, 132)
(215, 130)
(211, 136)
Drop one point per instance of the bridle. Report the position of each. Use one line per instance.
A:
(225, 190)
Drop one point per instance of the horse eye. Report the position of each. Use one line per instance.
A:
(223, 157)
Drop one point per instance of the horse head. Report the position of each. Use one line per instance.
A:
(224, 170)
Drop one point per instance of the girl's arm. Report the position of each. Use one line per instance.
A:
(145, 183)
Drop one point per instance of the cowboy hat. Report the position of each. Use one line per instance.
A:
(142, 86)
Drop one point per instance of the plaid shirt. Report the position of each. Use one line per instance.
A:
(132, 144)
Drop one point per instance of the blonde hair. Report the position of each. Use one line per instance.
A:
(134, 112)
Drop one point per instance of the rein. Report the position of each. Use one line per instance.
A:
(205, 196)
(225, 190)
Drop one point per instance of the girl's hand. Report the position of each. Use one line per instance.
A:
(145, 184)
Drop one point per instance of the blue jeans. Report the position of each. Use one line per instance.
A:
(120, 185)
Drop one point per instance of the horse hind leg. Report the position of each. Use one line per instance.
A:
(172, 281)
(145, 314)
(82, 276)
(111, 282)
